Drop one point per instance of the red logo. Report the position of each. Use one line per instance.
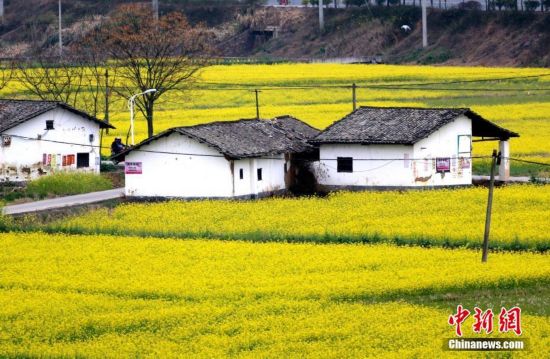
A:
(459, 318)
(508, 320)
(483, 320)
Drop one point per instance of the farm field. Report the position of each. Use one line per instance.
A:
(517, 100)
(448, 218)
(103, 296)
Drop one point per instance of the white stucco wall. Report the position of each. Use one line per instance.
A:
(273, 175)
(407, 166)
(365, 173)
(22, 160)
(204, 173)
(445, 143)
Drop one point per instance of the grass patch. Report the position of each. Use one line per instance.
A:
(66, 184)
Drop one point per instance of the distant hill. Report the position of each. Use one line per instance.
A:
(456, 36)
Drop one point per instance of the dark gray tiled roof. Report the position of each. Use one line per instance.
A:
(247, 138)
(16, 112)
(295, 127)
(385, 125)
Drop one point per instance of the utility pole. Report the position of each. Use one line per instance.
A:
(321, 17)
(354, 95)
(424, 24)
(60, 36)
(107, 93)
(257, 103)
(1, 11)
(156, 9)
(495, 161)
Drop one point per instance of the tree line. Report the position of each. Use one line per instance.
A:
(124, 55)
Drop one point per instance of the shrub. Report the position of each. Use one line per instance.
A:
(63, 184)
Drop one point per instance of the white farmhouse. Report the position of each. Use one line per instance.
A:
(404, 147)
(241, 159)
(42, 137)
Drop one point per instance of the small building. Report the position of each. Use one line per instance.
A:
(42, 137)
(404, 147)
(235, 159)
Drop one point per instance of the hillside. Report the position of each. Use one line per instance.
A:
(455, 36)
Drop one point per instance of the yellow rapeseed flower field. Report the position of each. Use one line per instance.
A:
(102, 296)
(450, 217)
(512, 100)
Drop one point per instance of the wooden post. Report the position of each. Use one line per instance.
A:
(354, 95)
(107, 99)
(424, 24)
(321, 16)
(156, 9)
(257, 104)
(60, 28)
(489, 208)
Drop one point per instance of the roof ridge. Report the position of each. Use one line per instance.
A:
(416, 108)
(294, 118)
(220, 122)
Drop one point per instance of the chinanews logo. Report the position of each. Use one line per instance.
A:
(509, 321)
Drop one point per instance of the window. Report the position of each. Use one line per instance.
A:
(259, 171)
(82, 160)
(241, 173)
(286, 168)
(464, 144)
(344, 164)
(49, 125)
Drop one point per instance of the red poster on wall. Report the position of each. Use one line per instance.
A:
(133, 168)
(443, 164)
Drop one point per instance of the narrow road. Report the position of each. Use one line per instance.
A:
(62, 202)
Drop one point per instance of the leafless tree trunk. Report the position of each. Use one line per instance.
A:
(6, 73)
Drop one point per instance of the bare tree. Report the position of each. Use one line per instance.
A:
(6, 73)
(75, 80)
(100, 77)
(152, 54)
(52, 80)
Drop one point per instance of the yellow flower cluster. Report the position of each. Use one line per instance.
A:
(452, 217)
(102, 296)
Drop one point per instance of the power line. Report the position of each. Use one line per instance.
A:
(527, 161)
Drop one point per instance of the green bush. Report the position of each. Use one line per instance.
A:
(65, 184)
